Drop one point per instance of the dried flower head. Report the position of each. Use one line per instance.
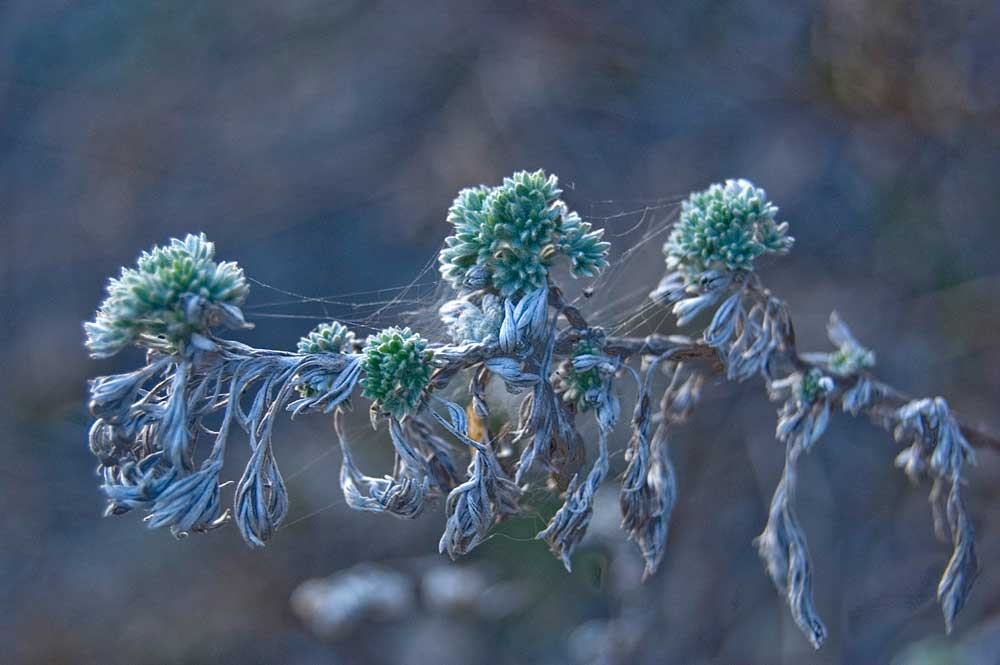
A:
(725, 227)
(508, 236)
(174, 293)
(397, 368)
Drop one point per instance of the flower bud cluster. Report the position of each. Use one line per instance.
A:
(171, 300)
(507, 237)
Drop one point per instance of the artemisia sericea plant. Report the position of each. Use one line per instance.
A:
(161, 432)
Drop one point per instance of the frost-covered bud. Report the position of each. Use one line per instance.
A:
(510, 235)
(461, 251)
(333, 337)
(467, 322)
(397, 368)
(581, 375)
(170, 301)
(588, 254)
(725, 227)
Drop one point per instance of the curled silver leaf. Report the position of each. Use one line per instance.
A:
(173, 433)
(403, 497)
(670, 289)
(783, 548)
(686, 310)
(524, 321)
(805, 414)
(508, 329)
(510, 370)
(963, 566)
(111, 397)
(485, 497)
(531, 313)
(859, 397)
(261, 501)
(648, 488)
(938, 448)
(568, 526)
(183, 503)
(724, 322)
(330, 385)
(542, 419)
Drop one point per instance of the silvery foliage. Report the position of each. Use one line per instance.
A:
(487, 496)
(510, 325)
(782, 546)
(649, 487)
(711, 272)
(468, 321)
(937, 448)
(149, 422)
(568, 526)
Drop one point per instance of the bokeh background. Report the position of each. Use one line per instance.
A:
(320, 143)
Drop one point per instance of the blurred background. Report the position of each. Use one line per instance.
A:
(319, 144)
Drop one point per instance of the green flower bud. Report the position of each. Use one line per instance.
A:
(397, 368)
(333, 337)
(574, 384)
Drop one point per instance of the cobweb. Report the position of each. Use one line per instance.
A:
(616, 300)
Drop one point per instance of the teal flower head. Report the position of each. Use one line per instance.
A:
(173, 297)
(507, 237)
(725, 227)
(397, 367)
(333, 337)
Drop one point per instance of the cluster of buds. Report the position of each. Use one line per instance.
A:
(172, 299)
(507, 237)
